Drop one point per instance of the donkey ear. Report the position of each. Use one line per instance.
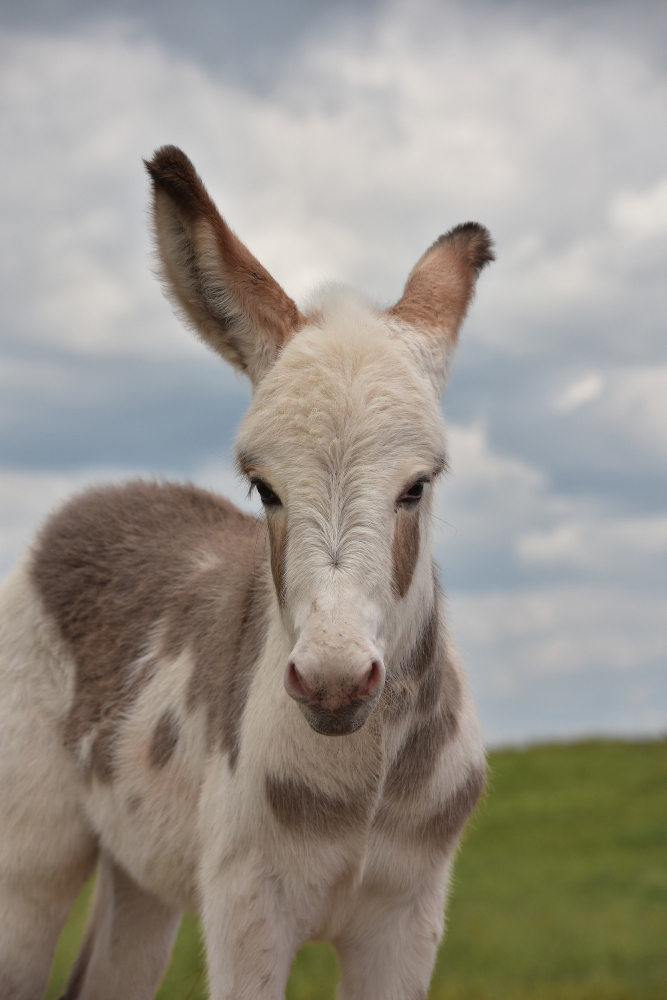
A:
(218, 287)
(440, 287)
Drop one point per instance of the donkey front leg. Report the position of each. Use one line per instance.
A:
(127, 944)
(31, 918)
(251, 936)
(388, 948)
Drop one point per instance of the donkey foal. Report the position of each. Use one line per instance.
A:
(262, 721)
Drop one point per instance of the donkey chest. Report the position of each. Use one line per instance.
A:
(404, 808)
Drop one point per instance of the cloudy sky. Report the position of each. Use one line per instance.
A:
(339, 139)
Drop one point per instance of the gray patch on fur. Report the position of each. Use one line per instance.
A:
(446, 825)
(302, 809)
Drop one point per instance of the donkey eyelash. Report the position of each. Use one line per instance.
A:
(413, 493)
(266, 494)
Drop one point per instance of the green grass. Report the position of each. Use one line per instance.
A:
(559, 891)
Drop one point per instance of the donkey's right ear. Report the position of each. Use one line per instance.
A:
(218, 287)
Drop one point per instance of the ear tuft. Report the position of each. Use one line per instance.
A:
(472, 241)
(172, 172)
(441, 285)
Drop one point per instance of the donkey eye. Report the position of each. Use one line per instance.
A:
(267, 496)
(413, 493)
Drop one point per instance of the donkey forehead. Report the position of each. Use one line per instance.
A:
(345, 389)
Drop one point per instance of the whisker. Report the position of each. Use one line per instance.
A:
(442, 521)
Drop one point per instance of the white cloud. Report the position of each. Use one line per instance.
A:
(635, 406)
(628, 403)
(497, 504)
(514, 635)
(563, 661)
(579, 392)
(603, 545)
(641, 214)
(487, 495)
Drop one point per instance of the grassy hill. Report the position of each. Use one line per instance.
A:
(560, 888)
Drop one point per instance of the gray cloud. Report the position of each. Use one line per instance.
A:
(249, 42)
(67, 411)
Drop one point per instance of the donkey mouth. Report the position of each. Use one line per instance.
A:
(339, 721)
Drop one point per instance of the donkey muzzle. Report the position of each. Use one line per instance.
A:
(335, 700)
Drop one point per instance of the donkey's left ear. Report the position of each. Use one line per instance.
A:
(440, 288)
(218, 287)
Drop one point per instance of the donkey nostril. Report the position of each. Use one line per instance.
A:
(294, 683)
(372, 680)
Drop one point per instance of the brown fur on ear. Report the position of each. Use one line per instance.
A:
(441, 284)
(221, 290)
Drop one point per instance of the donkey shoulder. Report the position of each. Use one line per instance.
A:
(133, 575)
(110, 557)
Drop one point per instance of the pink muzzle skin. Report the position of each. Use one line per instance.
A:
(336, 702)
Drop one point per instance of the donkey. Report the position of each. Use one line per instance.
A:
(260, 720)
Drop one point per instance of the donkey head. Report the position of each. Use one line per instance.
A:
(343, 439)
